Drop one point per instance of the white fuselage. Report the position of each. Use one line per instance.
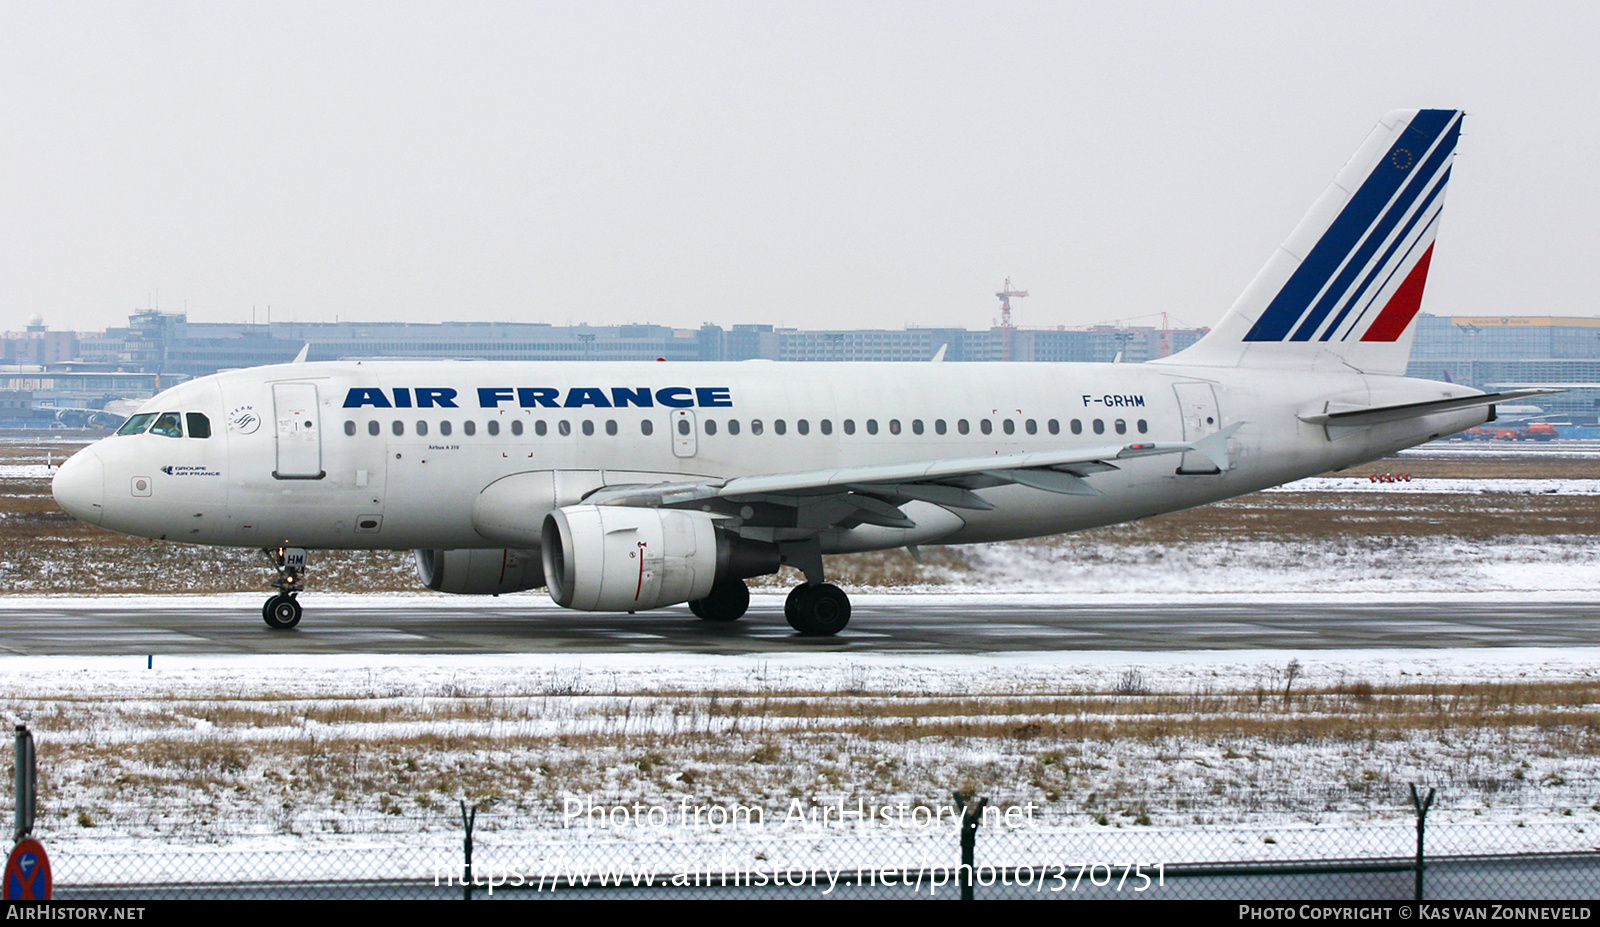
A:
(395, 455)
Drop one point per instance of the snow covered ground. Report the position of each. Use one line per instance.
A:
(230, 755)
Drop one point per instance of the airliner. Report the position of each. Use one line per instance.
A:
(631, 486)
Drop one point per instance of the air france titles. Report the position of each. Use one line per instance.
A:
(543, 397)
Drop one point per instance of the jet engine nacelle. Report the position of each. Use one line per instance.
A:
(605, 558)
(480, 572)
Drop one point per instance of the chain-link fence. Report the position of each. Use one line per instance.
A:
(862, 851)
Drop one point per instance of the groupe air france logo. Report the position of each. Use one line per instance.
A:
(190, 471)
(244, 420)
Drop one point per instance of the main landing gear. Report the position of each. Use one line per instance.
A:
(725, 602)
(813, 609)
(817, 609)
(282, 611)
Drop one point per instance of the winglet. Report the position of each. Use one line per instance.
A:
(301, 357)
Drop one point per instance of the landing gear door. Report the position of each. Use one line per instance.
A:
(685, 433)
(299, 431)
(1198, 405)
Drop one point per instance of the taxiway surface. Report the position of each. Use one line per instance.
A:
(879, 624)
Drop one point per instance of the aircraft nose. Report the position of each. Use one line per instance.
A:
(80, 486)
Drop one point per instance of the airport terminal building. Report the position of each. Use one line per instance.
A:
(156, 349)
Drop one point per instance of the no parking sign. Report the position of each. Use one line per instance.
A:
(27, 876)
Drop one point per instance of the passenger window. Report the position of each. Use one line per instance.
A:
(494, 427)
(827, 426)
(565, 428)
(1055, 427)
(1099, 427)
(444, 427)
(711, 426)
(373, 428)
(683, 426)
(469, 427)
(611, 427)
(647, 428)
(516, 427)
(167, 425)
(1144, 426)
(872, 426)
(588, 427)
(803, 426)
(1031, 427)
(986, 426)
(938, 426)
(1122, 427)
(142, 421)
(349, 428)
(733, 426)
(422, 429)
(199, 425)
(541, 428)
(778, 427)
(755, 426)
(894, 426)
(1009, 427)
(849, 426)
(1077, 427)
(916, 426)
(963, 427)
(399, 428)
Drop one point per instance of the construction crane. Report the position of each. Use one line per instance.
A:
(1005, 317)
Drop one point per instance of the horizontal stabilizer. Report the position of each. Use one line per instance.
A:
(1377, 415)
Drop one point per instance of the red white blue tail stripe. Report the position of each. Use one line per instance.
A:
(1363, 277)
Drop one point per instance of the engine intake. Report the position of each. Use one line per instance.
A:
(621, 558)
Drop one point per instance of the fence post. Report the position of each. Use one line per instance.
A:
(1421, 805)
(971, 818)
(26, 784)
(467, 820)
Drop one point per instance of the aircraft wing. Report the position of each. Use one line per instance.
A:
(847, 496)
(1377, 415)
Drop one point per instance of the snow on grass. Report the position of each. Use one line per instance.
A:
(1363, 484)
(253, 751)
(1075, 566)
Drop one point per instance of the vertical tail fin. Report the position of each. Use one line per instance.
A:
(1346, 285)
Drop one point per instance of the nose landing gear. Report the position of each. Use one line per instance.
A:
(282, 611)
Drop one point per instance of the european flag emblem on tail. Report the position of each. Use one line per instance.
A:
(1348, 281)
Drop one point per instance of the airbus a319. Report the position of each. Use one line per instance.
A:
(633, 486)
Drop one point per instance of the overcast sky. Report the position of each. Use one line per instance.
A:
(813, 164)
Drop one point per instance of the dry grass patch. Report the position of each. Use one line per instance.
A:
(270, 764)
(44, 550)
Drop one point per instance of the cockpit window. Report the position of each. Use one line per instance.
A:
(167, 425)
(199, 425)
(137, 424)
